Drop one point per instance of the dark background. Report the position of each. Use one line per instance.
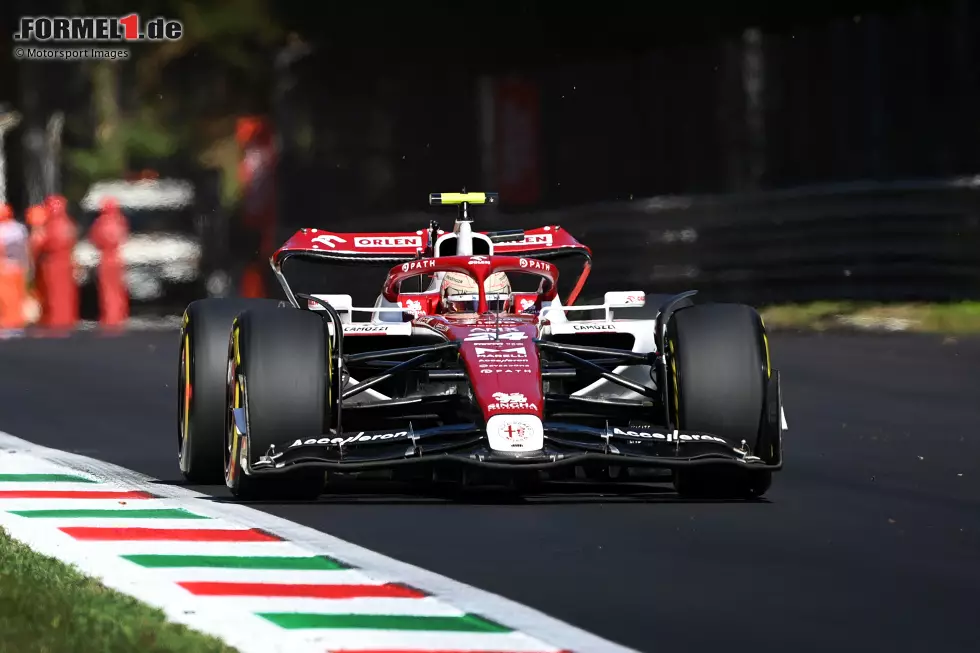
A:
(636, 100)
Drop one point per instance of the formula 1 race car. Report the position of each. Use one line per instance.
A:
(470, 368)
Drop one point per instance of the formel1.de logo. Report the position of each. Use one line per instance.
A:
(97, 29)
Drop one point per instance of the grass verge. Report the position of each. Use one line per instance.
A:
(958, 318)
(47, 606)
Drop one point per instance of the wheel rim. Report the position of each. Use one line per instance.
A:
(184, 394)
(234, 400)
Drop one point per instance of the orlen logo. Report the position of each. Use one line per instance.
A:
(388, 241)
(533, 239)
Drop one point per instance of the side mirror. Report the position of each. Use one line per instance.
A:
(625, 299)
(342, 303)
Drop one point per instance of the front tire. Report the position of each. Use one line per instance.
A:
(717, 376)
(279, 370)
(201, 385)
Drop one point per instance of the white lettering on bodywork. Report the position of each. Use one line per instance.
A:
(669, 437)
(388, 241)
(360, 437)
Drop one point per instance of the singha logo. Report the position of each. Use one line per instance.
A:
(510, 401)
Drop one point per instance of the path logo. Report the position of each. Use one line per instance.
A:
(97, 29)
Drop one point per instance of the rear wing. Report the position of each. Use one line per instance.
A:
(544, 243)
(398, 247)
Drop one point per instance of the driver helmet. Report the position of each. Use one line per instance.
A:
(460, 294)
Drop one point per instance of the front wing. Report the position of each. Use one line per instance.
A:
(565, 444)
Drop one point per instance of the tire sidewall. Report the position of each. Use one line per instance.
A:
(263, 349)
(202, 371)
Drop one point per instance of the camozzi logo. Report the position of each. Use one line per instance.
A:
(97, 29)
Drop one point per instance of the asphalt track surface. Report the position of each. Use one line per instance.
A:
(869, 540)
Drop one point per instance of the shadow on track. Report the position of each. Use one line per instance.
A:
(427, 494)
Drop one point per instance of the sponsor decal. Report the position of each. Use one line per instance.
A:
(365, 328)
(360, 437)
(388, 241)
(479, 260)
(502, 371)
(501, 352)
(424, 264)
(532, 264)
(413, 306)
(502, 359)
(490, 336)
(493, 329)
(669, 437)
(527, 304)
(329, 240)
(511, 361)
(434, 323)
(516, 433)
(511, 401)
(625, 298)
(594, 327)
(530, 239)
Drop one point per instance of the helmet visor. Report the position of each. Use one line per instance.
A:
(496, 303)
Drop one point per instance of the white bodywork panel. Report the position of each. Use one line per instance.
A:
(386, 320)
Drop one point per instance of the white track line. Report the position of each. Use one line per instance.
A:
(247, 632)
(316, 576)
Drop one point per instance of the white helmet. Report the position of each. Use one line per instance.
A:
(460, 294)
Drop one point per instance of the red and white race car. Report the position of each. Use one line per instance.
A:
(469, 367)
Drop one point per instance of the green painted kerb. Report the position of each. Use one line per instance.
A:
(148, 513)
(308, 563)
(469, 623)
(44, 478)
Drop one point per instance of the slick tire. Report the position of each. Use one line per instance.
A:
(202, 387)
(717, 375)
(279, 370)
